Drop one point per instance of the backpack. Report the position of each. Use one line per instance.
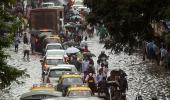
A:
(91, 79)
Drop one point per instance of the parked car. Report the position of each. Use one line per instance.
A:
(55, 72)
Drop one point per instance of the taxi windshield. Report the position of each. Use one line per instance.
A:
(54, 61)
(58, 72)
(80, 93)
(72, 81)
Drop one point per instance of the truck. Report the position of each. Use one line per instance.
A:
(45, 22)
(47, 18)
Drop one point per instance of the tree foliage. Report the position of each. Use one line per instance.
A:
(128, 21)
(8, 25)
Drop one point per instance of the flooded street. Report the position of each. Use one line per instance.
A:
(143, 77)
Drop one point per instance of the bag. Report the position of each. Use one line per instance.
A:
(91, 79)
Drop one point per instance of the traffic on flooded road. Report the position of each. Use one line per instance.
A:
(65, 59)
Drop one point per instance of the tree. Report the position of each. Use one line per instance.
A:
(8, 25)
(128, 21)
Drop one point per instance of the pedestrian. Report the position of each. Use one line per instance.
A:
(85, 35)
(17, 41)
(91, 81)
(98, 65)
(83, 44)
(163, 56)
(90, 69)
(33, 42)
(79, 65)
(99, 76)
(86, 49)
(26, 48)
(91, 61)
(25, 38)
(102, 87)
(156, 54)
(123, 84)
(85, 65)
(104, 70)
(153, 51)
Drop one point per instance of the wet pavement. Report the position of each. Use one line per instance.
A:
(143, 77)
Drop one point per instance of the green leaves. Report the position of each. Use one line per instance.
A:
(8, 25)
(127, 20)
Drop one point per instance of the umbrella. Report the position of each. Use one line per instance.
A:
(72, 50)
(89, 54)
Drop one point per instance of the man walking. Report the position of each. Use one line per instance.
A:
(26, 48)
(17, 41)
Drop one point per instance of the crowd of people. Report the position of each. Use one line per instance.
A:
(156, 52)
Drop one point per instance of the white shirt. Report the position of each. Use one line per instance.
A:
(26, 47)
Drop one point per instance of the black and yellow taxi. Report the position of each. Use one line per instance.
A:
(68, 79)
(79, 91)
(41, 91)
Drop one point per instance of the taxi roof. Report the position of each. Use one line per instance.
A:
(79, 88)
(50, 89)
(43, 87)
(71, 75)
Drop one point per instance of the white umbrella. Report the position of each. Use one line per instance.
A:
(72, 50)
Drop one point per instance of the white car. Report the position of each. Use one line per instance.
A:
(56, 71)
(49, 61)
(55, 52)
(53, 46)
(54, 60)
